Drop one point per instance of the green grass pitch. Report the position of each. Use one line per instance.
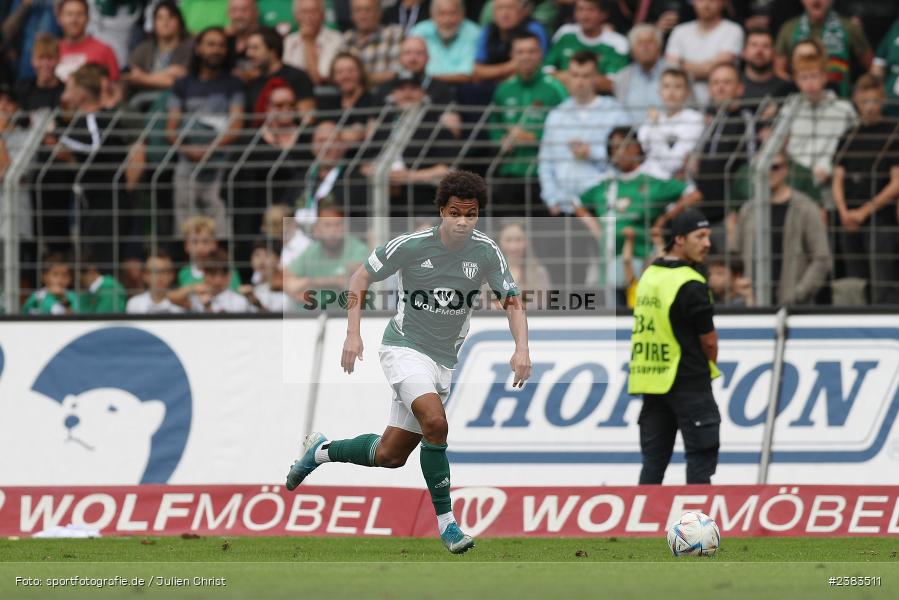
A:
(515, 568)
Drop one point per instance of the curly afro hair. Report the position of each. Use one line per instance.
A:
(463, 185)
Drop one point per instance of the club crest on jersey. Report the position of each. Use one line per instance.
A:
(444, 296)
(470, 269)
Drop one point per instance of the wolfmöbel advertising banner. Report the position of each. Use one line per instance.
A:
(185, 402)
(643, 511)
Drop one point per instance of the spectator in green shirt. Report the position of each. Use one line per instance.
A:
(54, 298)
(521, 104)
(200, 244)
(319, 275)
(102, 293)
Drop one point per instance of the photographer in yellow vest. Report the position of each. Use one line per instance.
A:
(673, 352)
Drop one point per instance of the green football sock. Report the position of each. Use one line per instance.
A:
(435, 468)
(360, 450)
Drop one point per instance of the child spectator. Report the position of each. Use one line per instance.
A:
(55, 298)
(44, 90)
(727, 283)
(158, 276)
(670, 135)
(102, 293)
(267, 290)
(821, 119)
(199, 244)
(212, 295)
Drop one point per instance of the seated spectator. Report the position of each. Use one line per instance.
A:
(200, 244)
(77, 48)
(44, 90)
(25, 21)
(329, 181)
(517, 126)
(843, 39)
(264, 50)
(527, 271)
(727, 282)
(414, 59)
(283, 228)
(162, 57)
(406, 13)
(55, 298)
(101, 294)
(886, 67)
(217, 97)
(800, 253)
(314, 46)
(671, 134)
(865, 187)
(637, 85)
(451, 40)
(243, 21)
(131, 274)
(727, 147)
(697, 46)
(759, 79)
(354, 99)
(158, 275)
(327, 264)
(493, 59)
(266, 292)
(589, 32)
(634, 198)
(377, 45)
(573, 148)
(819, 122)
(212, 295)
(625, 14)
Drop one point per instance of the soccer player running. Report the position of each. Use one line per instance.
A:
(441, 270)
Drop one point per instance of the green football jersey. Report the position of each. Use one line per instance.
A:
(438, 288)
(42, 302)
(611, 48)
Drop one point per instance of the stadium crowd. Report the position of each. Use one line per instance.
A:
(617, 114)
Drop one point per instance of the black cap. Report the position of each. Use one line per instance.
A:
(405, 76)
(685, 223)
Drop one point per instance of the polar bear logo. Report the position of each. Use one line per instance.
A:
(125, 406)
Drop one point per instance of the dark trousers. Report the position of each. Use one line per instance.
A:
(696, 415)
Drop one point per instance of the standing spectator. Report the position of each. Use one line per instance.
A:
(670, 135)
(212, 295)
(697, 46)
(451, 39)
(843, 39)
(44, 90)
(214, 99)
(886, 67)
(27, 19)
(493, 58)
(414, 59)
(573, 149)
(865, 187)
(800, 254)
(407, 14)
(377, 45)
(77, 48)
(55, 298)
(264, 50)
(243, 21)
(158, 276)
(523, 101)
(314, 46)
(326, 265)
(163, 56)
(589, 32)
(759, 79)
(635, 198)
(819, 121)
(637, 86)
(102, 294)
(113, 22)
(14, 135)
(200, 244)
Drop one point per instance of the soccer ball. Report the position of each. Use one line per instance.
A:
(694, 534)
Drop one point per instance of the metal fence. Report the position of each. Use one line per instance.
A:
(107, 189)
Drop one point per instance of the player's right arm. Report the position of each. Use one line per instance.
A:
(352, 346)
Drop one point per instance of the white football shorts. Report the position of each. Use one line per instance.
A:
(412, 374)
